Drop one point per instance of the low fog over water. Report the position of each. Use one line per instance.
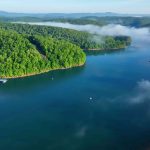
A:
(111, 29)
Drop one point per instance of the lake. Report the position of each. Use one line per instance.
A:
(103, 105)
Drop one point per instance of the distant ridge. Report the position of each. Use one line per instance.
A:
(65, 15)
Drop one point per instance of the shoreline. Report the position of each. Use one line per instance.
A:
(45, 71)
(42, 72)
(98, 49)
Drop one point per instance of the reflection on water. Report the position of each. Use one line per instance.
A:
(101, 52)
(50, 78)
(55, 111)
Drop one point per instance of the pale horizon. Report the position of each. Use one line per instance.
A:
(78, 6)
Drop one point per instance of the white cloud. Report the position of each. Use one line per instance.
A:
(143, 92)
(144, 85)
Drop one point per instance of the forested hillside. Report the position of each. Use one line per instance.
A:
(82, 39)
(30, 49)
(21, 55)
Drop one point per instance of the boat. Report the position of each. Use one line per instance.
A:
(3, 81)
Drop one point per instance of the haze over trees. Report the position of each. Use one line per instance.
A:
(126, 20)
(82, 39)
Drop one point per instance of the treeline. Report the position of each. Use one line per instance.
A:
(95, 20)
(79, 21)
(101, 21)
(23, 55)
(82, 39)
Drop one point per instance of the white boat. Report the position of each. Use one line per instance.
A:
(3, 81)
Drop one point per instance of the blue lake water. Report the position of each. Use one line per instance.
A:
(104, 105)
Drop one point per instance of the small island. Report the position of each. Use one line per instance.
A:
(27, 50)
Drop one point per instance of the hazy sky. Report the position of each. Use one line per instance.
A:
(121, 6)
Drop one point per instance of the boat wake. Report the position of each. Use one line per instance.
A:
(3, 81)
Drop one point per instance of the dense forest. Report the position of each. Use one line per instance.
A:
(23, 55)
(31, 49)
(84, 40)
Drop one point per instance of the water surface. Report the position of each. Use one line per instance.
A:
(104, 105)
